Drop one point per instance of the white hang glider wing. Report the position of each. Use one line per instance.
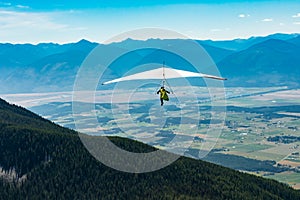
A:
(163, 73)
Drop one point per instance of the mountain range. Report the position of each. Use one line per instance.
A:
(271, 62)
(41, 160)
(242, 44)
(255, 62)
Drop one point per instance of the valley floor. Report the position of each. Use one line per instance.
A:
(259, 125)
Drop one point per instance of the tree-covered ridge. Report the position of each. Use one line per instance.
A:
(17, 116)
(56, 165)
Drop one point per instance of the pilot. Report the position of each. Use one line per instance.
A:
(163, 95)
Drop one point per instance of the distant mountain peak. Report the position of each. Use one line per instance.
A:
(83, 41)
(83, 45)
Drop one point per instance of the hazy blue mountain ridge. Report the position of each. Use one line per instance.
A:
(242, 44)
(255, 62)
(269, 63)
(295, 40)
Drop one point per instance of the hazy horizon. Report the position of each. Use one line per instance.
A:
(64, 22)
(137, 39)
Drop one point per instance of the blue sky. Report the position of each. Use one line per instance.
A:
(62, 21)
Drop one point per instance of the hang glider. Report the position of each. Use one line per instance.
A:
(163, 73)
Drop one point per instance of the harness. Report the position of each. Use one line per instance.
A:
(163, 94)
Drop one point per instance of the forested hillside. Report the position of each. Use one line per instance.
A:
(41, 160)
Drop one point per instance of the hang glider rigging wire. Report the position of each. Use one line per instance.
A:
(164, 80)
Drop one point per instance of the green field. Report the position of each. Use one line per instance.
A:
(291, 178)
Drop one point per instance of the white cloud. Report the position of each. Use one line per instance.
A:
(14, 19)
(22, 7)
(267, 20)
(243, 15)
(13, 6)
(18, 26)
(296, 16)
(296, 23)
